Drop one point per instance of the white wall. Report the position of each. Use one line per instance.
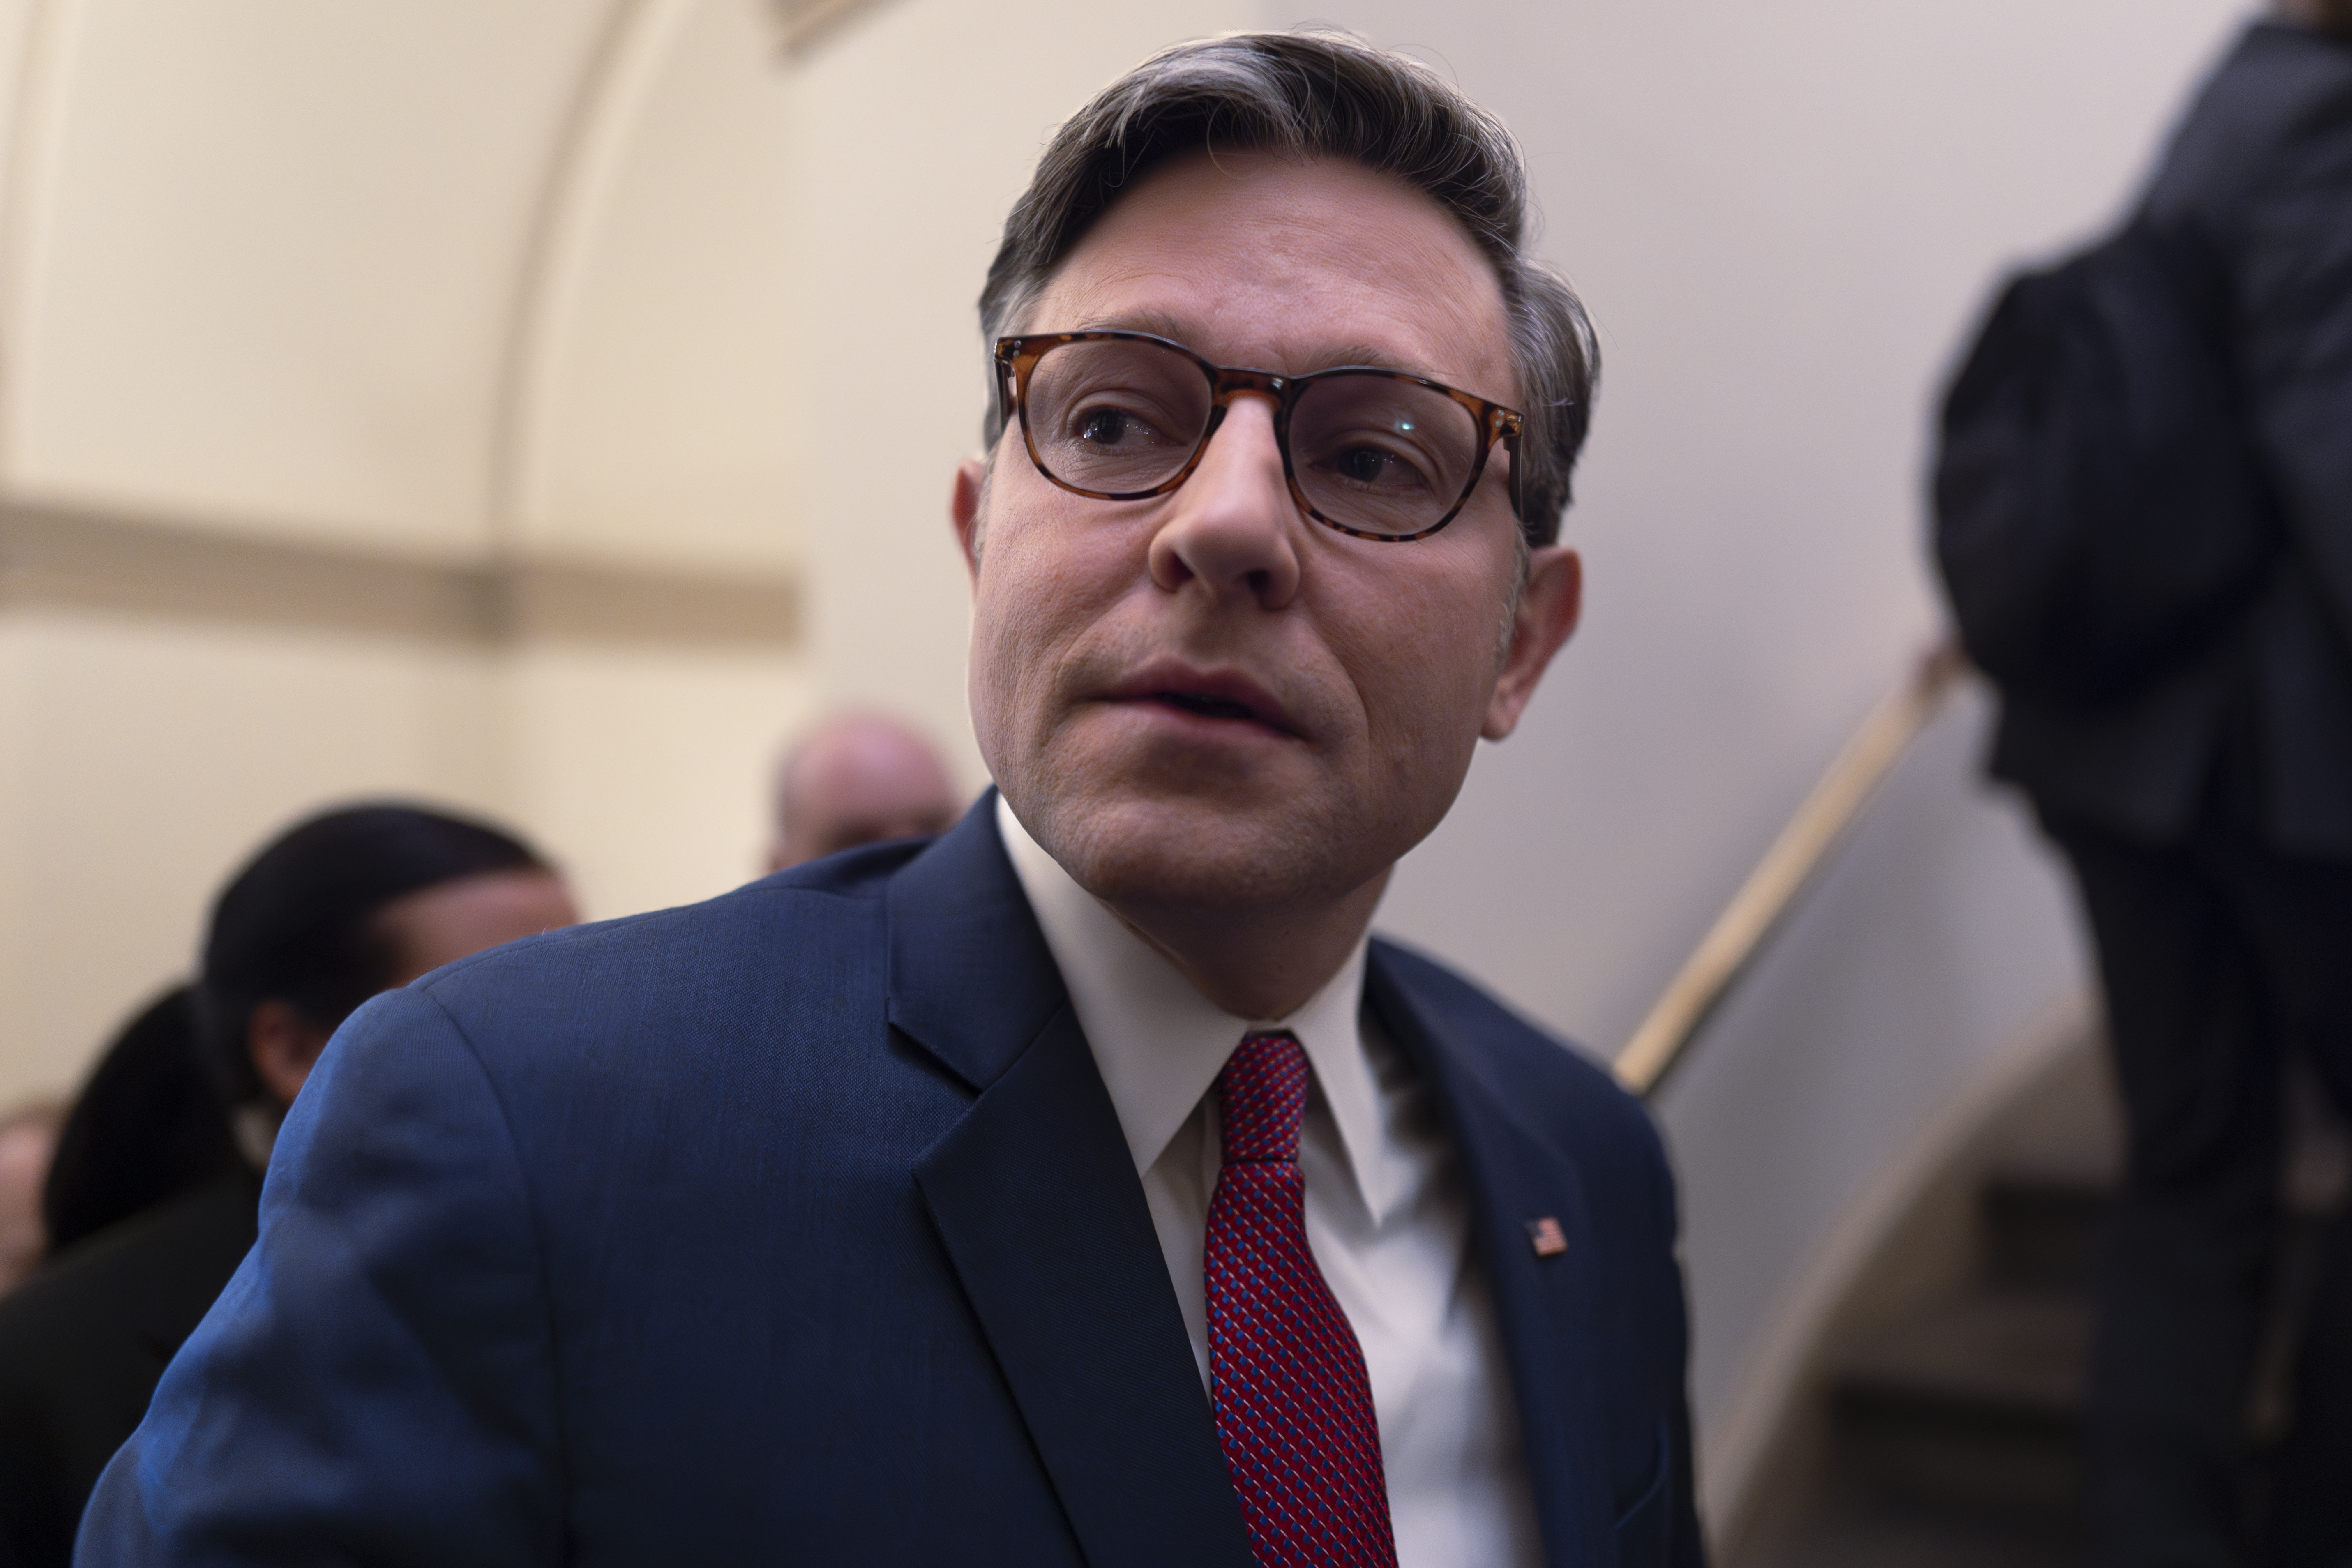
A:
(1783, 218)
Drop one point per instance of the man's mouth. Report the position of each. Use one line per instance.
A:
(1207, 706)
(1228, 696)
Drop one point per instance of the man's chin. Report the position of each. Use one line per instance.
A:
(1188, 851)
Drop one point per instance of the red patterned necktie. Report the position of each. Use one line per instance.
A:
(1294, 1405)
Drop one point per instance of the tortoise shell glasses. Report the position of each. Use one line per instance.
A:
(1372, 452)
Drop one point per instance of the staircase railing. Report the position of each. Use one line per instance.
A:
(1757, 910)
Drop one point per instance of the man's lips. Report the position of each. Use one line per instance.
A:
(1224, 695)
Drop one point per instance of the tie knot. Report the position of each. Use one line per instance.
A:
(1262, 1099)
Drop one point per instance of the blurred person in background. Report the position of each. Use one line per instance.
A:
(858, 778)
(952, 1201)
(2144, 518)
(29, 1140)
(146, 1127)
(342, 906)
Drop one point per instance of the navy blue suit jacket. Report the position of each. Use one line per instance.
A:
(798, 1227)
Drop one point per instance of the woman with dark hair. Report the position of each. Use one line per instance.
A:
(334, 910)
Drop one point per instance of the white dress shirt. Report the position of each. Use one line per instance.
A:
(1387, 1218)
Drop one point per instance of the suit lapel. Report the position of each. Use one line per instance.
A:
(1036, 1200)
(972, 980)
(1547, 1309)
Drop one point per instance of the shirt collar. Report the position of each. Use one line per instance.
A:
(1160, 1044)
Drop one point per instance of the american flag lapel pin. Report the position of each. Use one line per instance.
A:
(1546, 1237)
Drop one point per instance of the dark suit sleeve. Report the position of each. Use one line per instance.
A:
(377, 1382)
(1687, 1547)
(1661, 1528)
(2292, 254)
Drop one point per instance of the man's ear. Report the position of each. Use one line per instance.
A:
(285, 1046)
(1549, 608)
(963, 510)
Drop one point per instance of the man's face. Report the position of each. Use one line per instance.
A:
(1208, 701)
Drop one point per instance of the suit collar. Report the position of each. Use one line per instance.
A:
(1160, 1044)
(970, 979)
(1037, 1205)
(1547, 1309)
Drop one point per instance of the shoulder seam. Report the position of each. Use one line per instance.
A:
(538, 1233)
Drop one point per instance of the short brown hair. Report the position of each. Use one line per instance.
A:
(1316, 94)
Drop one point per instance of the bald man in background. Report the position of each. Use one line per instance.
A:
(858, 778)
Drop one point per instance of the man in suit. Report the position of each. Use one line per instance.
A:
(1082, 1185)
(2206, 808)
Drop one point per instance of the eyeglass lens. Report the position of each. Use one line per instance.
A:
(1368, 451)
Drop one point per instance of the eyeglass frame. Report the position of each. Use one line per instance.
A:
(1016, 358)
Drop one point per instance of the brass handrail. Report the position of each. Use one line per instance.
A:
(1755, 911)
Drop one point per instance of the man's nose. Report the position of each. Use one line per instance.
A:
(1231, 527)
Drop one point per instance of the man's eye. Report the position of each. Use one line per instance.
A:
(1375, 468)
(1109, 427)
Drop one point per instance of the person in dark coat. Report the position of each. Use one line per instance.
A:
(146, 1127)
(2206, 809)
(340, 908)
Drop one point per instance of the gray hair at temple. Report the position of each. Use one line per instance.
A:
(1305, 95)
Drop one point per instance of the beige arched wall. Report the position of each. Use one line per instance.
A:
(542, 408)
(264, 254)
(657, 378)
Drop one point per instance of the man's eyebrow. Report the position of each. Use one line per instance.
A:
(1328, 358)
(1366, 354)
(1152, 321)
